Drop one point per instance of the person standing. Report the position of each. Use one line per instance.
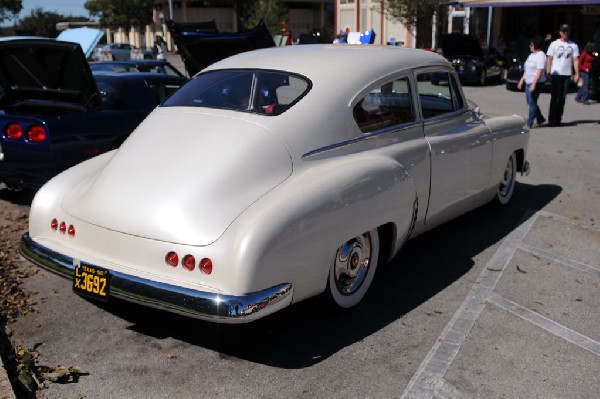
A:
(562, 64)
(160, 48)
(534, 78)
(586, 62)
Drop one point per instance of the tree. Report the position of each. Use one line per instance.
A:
(119, 13)
(273, 12)
(43, 23)
(9, 9)
(416, 14)
(251, 12)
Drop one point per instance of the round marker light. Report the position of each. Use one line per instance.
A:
(63, 227)
(36, 133)
(54, 224)
(172, 259)
(14, 131)
(189, 262)
(206, 266)
(71, 231)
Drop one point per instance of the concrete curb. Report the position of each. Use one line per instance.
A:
(6, 390)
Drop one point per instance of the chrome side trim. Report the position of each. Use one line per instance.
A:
(188, 302)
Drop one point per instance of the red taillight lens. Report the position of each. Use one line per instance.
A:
(206, 266)
(62, 227)
(71, 231)
(14, 131)
(189, 262)
(172, 259)
(36, 133)
(54, 224)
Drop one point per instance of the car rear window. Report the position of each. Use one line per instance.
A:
(257, 91)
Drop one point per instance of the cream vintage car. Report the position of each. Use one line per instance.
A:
(274, 176)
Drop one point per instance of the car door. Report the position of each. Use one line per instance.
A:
(387, 115)
(460, 143)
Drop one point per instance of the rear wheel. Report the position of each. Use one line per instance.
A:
(508, 180)
(353, 269)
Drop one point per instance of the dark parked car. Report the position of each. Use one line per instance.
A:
(119, 51)
(200, 45)
(54, 113)
(473, 63)
(155, 66)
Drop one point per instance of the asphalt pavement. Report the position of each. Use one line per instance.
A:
(506, 306)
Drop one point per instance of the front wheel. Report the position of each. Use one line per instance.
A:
(508, 180)
(353, 269)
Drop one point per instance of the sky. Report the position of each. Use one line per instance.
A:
(63, 7)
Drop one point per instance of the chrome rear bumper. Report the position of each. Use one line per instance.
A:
(198, 304)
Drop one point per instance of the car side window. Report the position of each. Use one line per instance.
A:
(384, 106)
(436, 94)
(160, 90)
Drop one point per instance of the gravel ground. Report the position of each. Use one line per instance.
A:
(14, 300)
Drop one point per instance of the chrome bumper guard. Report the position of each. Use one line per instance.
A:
(526, 169)
(189, 302)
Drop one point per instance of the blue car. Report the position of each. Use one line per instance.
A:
(54, 113)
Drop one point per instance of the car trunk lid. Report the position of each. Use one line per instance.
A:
(183, 176)
(36, 70)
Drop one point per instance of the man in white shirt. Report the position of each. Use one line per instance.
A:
(562, 61)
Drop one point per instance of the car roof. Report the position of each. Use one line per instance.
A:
(132, 62)
(139, 75)
(321, 62)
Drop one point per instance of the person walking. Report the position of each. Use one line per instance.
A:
(562, 64)
(533, 78)
(586, 62)
(160, 47)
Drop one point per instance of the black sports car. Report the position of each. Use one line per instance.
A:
(473, 63)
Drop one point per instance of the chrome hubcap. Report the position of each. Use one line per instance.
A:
(352, 263)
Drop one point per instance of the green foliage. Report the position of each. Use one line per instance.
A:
(410, 11)
(417, 14)
(271, 11)
(119, 13)
(9, 8)
(43, 23)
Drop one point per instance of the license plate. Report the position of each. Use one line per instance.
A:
(91, 281)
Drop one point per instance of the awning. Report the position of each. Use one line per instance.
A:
(524, 3)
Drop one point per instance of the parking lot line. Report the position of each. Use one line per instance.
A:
(560, 259)
(437, 362)
(543, 322)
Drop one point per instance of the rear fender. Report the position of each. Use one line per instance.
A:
(292, 234)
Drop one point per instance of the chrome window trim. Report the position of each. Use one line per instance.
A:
(365, 137)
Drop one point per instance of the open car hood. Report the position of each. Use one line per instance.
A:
(33, 69)
(87, 38)
(201, 45)
(459, 44)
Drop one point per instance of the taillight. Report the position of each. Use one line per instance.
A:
(54, 224)
(189, 262)
(71, 231)
(13, 131)
(36, 133)
(172, 259)
(62, 227)
(206, 266)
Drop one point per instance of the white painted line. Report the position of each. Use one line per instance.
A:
(574, 222)
(560, 259)
(543, 322)
(437, 362)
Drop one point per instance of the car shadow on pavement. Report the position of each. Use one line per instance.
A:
(308, 332)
